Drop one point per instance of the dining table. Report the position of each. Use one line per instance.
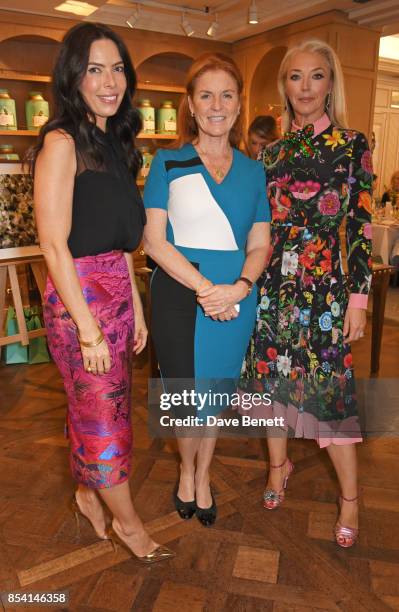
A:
(385, 233)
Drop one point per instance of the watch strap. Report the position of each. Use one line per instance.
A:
(248, 283)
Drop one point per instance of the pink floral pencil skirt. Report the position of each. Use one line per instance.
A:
(98, 416)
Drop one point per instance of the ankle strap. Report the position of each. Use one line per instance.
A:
(349, 499)
(281, 464)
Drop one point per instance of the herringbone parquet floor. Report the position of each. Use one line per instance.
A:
(251, 560)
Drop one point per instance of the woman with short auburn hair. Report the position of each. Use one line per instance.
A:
(208, 232)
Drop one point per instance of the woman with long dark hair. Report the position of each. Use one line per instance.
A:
(207, 230)
(90, 218)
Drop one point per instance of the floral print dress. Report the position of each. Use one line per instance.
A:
(317, 177)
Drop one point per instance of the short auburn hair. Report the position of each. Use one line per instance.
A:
(208, 62)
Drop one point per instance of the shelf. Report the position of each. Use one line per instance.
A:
(157, 136)
(166, 88)
(12, 133)
(11, 75)
(19, 133)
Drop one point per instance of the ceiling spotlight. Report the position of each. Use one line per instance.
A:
(213, 27)
(186, 25)
(133, 19)
(253, 13)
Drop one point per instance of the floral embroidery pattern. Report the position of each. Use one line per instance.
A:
(329, 203)
(304, 190)
(334, 139)
(298, 350)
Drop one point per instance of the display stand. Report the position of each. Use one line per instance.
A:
(9, 260)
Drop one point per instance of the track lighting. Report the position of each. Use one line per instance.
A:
(186, 25)
(253, 13)
(133, 19)
(213, 27)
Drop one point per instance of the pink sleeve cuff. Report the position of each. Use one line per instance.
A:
(358, 300)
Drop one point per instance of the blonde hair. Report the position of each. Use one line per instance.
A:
(393, 177)
(337, 105)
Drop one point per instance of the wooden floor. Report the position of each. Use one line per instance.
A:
(251, 560)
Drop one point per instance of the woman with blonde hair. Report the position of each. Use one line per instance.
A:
(318, 174)
(391, 195)
(207, 230)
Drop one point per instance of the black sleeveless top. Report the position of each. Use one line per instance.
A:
(107, 210)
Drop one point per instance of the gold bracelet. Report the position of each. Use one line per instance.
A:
(92, 344)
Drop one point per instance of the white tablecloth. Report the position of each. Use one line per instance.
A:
(384, 237)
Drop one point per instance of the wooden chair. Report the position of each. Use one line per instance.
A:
(380, 283)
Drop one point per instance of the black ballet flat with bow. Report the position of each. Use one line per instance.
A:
(207, 516)
(185, 510)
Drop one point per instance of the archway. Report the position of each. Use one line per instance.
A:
(164, 68)
(264, 98)
(28, 54)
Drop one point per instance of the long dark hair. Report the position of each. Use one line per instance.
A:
(72, 114)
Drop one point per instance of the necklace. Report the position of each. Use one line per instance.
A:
(219, 173)
(217, 170)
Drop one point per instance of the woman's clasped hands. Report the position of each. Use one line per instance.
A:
(219, 301)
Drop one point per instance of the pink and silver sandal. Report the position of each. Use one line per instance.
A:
(272, 499)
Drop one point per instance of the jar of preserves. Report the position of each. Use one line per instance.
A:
(8, 115)
(37, 111)
(166, 118)
(147, 113)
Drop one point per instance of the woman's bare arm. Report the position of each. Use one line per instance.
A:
(140, 327)
(53, 193)
(166, 255)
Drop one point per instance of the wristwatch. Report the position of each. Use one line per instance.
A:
(248, 283)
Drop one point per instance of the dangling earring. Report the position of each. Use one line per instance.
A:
(192, 114)
(328, 101)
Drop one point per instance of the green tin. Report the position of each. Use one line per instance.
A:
(148, 116)
(8, 114)
(166, 118)
(147, 160)
(37, 111)
(7, 153)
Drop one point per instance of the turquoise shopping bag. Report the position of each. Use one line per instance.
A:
(37, 349)
(15, 352)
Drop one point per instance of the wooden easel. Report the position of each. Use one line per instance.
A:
(9, 260)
